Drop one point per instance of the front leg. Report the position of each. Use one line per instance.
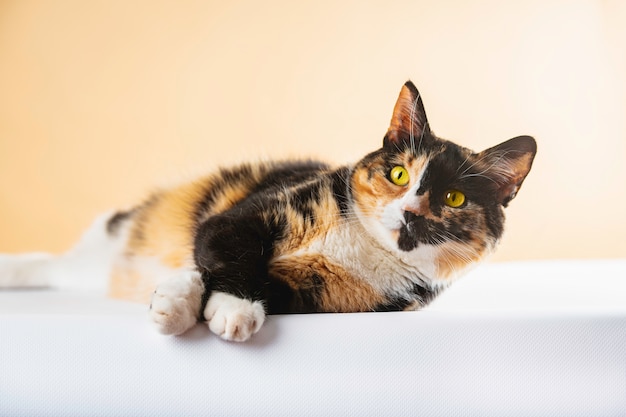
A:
(232, 252)
(233, 318)
(176, 302)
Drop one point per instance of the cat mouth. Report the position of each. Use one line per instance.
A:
(417, 230)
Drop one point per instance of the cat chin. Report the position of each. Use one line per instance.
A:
(434, 264)
(419, 261)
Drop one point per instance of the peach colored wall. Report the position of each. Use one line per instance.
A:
(102, 99)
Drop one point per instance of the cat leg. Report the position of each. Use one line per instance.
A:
(86, 266)
(233, 318)
(176, 303)
(232, 251)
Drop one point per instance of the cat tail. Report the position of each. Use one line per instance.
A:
(87, 266)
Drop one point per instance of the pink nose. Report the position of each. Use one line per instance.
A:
(418, 206)
(415, 209)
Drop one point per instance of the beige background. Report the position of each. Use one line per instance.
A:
(101, 100)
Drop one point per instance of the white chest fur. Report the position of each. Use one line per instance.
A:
(356, 251)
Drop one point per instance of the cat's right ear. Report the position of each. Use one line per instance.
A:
(408, 122)
(508, 164)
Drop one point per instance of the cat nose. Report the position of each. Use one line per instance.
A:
(411, 209)
(417, 206)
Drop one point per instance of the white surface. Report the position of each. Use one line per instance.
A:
(495, 344)
(539, 287)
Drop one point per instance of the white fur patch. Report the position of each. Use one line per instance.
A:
(23, 270)
(393, 213)
(233, 318)
(378, 263)
(176, 303)
(392, 217)
(86, 266)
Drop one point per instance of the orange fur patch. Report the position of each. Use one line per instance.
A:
(454, 257)
(340, 292)
(301, 234)
(372, 188)
(162, 229)
(131, 285)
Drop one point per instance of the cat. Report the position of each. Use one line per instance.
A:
(387, 233)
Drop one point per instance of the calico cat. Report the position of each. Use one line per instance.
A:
(389, 232)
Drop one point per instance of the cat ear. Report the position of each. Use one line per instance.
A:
(507, 164)
(408, 122)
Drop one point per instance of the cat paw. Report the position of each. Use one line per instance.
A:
(233, 318)
(176, 303)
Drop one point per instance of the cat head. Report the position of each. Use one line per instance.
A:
(439, 207)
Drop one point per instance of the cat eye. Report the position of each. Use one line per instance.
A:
(454, 198)
(399, 175)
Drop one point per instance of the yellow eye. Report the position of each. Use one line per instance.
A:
(454, 198)
(399, 176)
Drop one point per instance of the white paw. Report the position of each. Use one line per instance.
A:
(233, 318)
(176, 303)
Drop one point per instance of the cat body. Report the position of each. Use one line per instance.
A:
(386, 233)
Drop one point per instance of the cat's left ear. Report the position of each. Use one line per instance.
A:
(508, 164)
(408, 122)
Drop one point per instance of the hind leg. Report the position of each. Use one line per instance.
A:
(176, 303)
(25, 270)
(86, 266)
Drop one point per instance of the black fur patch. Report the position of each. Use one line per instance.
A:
(289, 173)
(394, 304)
(116, 221)
(304, 198)
(232, 250)
(340, 180)
(424, 294)
(417, 229)
(284, 299)
(421, 293)
(219, 182)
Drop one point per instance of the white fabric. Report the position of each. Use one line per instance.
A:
(520, 339)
